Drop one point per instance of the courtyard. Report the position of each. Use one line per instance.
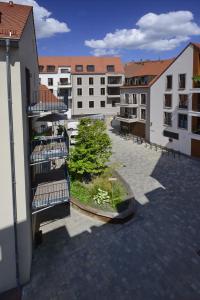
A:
(154, 256)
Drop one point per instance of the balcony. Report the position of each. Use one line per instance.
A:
(126, 118)
(64, 83)
(196, 125)
(114, 81)
(46, 100)
(50, 188)
(113, 92)
(46, 148)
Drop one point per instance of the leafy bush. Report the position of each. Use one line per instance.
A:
(101, 197)
(100, 191)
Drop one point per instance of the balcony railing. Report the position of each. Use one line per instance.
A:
(64, 83)
(46, 148)
(47, 100)
(51, 189)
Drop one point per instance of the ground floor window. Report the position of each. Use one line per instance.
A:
(103, 103)
(167, 118)
(91, 104)
(79, 104)
(182, 121)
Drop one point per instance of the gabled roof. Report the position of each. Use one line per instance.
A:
(13, 18)
(45, 95)
(146, 68)
(152, 68)
(100, 63)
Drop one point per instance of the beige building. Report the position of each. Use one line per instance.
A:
(18, 84)
(94, 83)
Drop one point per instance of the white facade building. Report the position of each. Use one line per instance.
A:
(175, 104)
(58, 80)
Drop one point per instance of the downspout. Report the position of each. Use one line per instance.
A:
(12, 158)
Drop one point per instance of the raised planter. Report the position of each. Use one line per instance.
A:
(125, 210)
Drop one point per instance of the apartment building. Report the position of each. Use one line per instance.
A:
(134, 115)
(57, 77)
(175, 104)
(18, 84)
(95, 82)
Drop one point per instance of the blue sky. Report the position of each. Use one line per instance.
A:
(93, 19)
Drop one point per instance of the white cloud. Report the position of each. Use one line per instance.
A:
(154, 32)
(46, 26)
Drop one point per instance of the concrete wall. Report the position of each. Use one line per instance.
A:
(25, 56)
(183, 64)
(97, 97)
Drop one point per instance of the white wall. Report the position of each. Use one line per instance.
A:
(183, 64)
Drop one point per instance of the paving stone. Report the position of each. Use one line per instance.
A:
(152, 257)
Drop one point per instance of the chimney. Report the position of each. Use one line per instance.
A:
(11, 3)
(0, 16)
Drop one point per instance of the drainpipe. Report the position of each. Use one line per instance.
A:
(12, 157)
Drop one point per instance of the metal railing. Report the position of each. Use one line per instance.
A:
(48, 193)
(47, 100)
(46, 148)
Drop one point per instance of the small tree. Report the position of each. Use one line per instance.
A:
(92, 149)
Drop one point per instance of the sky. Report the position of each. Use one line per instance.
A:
(131, 29)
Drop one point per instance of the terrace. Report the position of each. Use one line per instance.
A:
(47, 100)
(46, 148)
(50, 188)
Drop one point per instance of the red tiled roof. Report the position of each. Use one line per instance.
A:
(196, 44)
(100, 63)
(144, 68)
(13, 19)
(45, 95)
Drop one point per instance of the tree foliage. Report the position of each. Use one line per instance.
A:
(92, 149)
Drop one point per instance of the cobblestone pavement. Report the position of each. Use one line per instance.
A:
(152, 257)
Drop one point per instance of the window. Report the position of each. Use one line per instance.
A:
(183, 101)
(79, 81)
(41, 69)
(143, 114)
(110, 68)
(143, 99)
(182, 81)
(64, 81)
(79, 92)
(102, 80)
(28, 85)
(64, 71)
(168, 100)
(91, 91)
(79, 68)
(167, 118)
(169, 82)
(50, 81)
(103, 91)
(127, 98)
(91, 104)
(134, 98)
(79, 104)
(91, 81)
(90, 68)
(103, 103)
(51, 69)
(182, 121)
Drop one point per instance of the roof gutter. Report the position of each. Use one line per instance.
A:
(12, 44)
